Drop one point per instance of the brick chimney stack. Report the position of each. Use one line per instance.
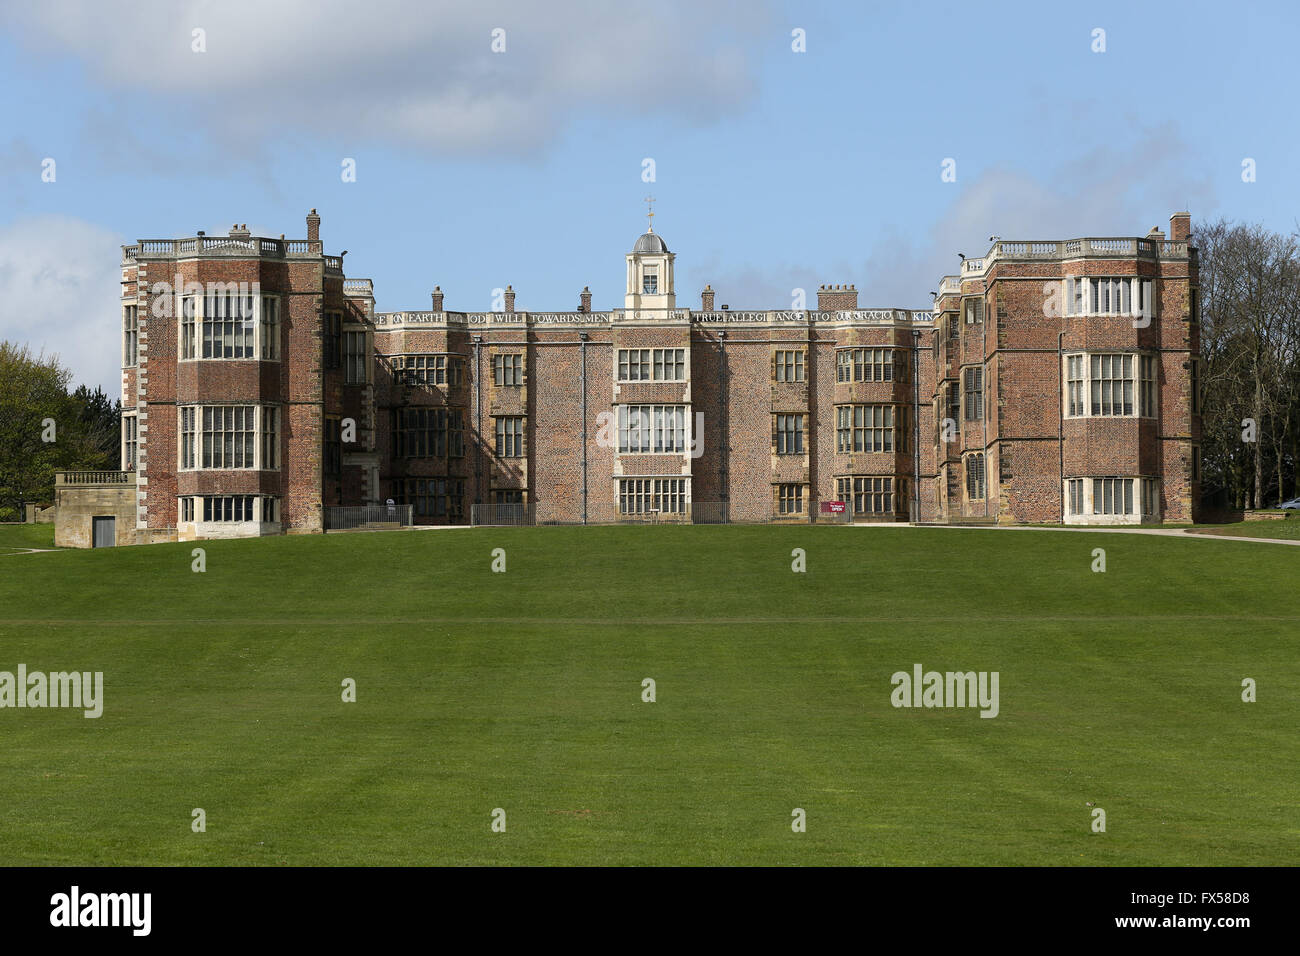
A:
(313, 227)
(706, 298)
(836, 298)
(1180, 226)
(585, 300)
(437, 298)
(239, 232)
(510, 298)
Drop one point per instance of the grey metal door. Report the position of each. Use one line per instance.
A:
(105, 531)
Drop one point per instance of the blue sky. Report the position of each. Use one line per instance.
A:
(773, 169)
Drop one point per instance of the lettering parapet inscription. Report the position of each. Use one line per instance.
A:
(871, 316)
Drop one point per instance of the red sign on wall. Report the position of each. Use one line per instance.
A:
(833, 507)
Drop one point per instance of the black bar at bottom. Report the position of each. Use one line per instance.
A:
(336, 906)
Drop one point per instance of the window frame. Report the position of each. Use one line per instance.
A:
(269, 328)
(437, 496)
(332, 446)
(857, 431)
(1076, 501)
(662, 430)
(1112, 487)
(1123, 295)
(789, 365)
(187, 326)
(332, 339)
(972, 394)
(1196, 398)
(228, 322)
(227, 509)
(187, 432)
(871, 363)
(508, 369)
(1105, 393)
(226, 434)
(789, 433)
(445, 370)
(868, 495)
(192, 428)
(355, 363)
(1150, 498)
(651, 365)
(509, 435)
(130, 335)
(428, 431)
(269, 438)
(646, 494)
(130, 449)
(791, 498)
(976, 477)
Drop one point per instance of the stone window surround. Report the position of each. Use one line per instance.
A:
(646, 424)
(791, 498)
(654, 490)
(1132, 288)
(790, 365)
(982, 482)
(619, 354)
(259, 330)
(256, 524)
(259, 435)
(1087, 381)
(130, 334)
(1146, 490)
(130, 435)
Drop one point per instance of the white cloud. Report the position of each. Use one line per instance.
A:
(420, 74)
(1107, 192)
(62, 282)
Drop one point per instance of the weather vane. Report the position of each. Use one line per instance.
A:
(650, 213)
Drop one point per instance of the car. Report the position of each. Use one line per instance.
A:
(1292, 505)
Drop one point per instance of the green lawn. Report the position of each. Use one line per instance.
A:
(1288, 528)
(522, 691)
(15, 538)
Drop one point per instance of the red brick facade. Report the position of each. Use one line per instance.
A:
(446, 410)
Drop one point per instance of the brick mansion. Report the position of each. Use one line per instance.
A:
(1049, 381)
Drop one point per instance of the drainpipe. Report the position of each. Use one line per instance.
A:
(813, 430)
(726, 425)
(1060, 418)
(582, 347)
(916, 424)
(478, 417)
